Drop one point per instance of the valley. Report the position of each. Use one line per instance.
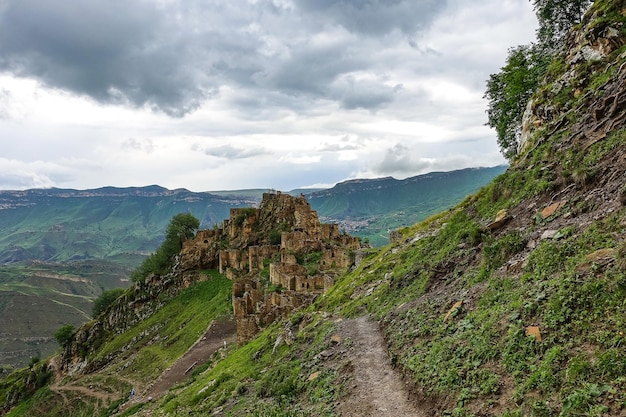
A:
(59, 249)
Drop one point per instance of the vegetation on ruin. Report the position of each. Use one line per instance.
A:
(180, 228)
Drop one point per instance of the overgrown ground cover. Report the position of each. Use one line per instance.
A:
(475, 357)
(138, 356)
(264, 377)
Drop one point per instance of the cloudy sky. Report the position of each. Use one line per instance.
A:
(230, 94)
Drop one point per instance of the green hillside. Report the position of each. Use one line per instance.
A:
(511, 303)
(148, 348)
(66, 225)
(370, 208)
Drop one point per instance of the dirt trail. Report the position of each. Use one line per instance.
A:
(376, 389)
(220, 331)
(62, 389)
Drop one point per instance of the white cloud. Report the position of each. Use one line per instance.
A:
(242, 94)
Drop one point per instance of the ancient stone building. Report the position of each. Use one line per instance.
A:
(279, 256)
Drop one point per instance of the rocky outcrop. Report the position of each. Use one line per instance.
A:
(588, 51)
(145, 299)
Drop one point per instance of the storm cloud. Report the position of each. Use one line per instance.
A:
(247, 93)
(173, 56)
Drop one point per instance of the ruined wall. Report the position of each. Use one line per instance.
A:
(336, 257)
(350, 242)
(247, 328)
(285, 274)
(329, 231)
(241, 224)
(246, 294)
(256, 255)
(201, 252)
(293, 212)
(299, 241)
(245, 243)
(288, 257)
(306, 283)
(234, 259)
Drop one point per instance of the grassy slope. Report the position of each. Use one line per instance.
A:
(475, 359)
(480, 359)
(137, 356)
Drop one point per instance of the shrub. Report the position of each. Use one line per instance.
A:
(105, 300)
(275, 237)
(182, 227)
(243, 214)
(64, 335)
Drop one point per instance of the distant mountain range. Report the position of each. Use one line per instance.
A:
(125, 224)
(58, 225)
(59, 249)
(370, 208)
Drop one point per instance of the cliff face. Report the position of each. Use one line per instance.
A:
(583, 96)
(145, 299)
(279, 256)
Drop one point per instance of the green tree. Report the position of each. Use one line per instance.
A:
(508, 93)
(64, 335)
(556, 18)
(182, 227)
(105, 300)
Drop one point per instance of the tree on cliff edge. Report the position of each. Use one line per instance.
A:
(183, 226)
(509, 91)
(556, 17)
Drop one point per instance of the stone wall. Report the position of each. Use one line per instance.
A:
(240, 249)
(202, 251)
(300, 241)
(329, 231)
(234, 259)
(285, 275)
(257, 254)
(307, 283)
(241, 223)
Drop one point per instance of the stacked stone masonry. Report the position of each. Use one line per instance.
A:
(270, 278)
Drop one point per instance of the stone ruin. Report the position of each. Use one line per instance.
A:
(279, 257)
